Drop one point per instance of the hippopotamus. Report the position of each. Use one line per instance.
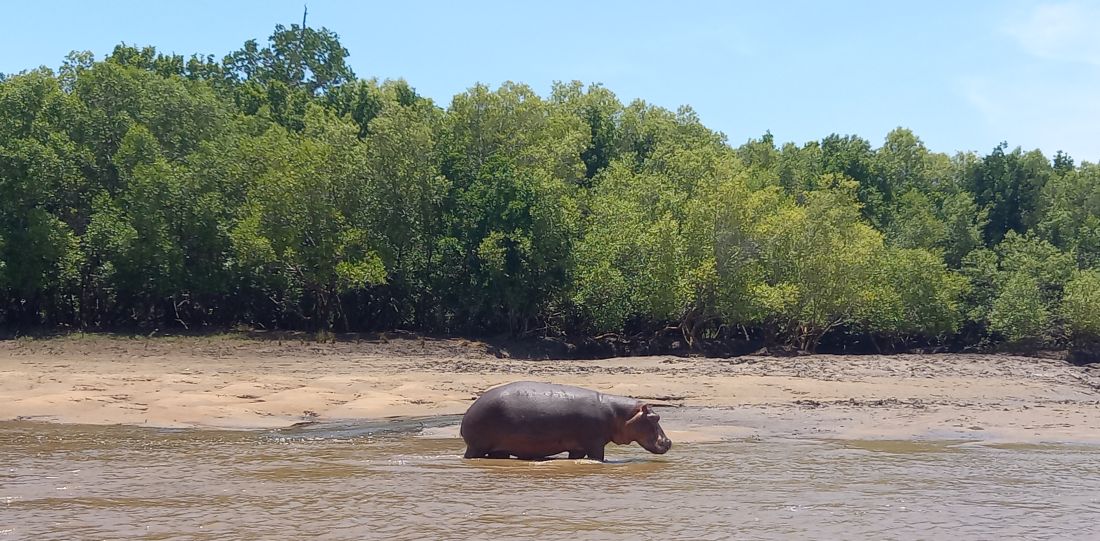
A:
(531, 420)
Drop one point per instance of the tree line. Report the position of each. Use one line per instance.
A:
(275, 189)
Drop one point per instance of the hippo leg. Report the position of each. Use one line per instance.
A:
(478, 453)
(574, 455)
(595, 453)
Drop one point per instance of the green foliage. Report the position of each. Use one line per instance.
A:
(903, 164)
(405, 194)
(299, 58)
(1007, 186)
(302, 220)
(663, 221)
(1081, 306)
(599, 108)
(915, 224)
(916, 295)
(1019, 313)
(1069, 213)
(512, 161)
(980, 267)
(1041, 261)
(963, 223)
(272, 187)
(852, 157)
(1016, 287)
(819, 260)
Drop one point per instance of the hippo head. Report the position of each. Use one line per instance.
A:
(645, 428)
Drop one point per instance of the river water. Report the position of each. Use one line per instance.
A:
(389, 481)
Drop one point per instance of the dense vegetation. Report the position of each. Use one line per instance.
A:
(275, 189)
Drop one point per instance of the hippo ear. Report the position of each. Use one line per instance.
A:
(637, 416)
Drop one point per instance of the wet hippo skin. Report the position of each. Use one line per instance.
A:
(532, 420)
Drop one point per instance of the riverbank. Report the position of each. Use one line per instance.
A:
(235, 382)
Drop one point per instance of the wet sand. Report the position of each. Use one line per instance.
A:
(236, 383)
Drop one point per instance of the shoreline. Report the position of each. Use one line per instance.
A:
(229, 382)
(565, 348)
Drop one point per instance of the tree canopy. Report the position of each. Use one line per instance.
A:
(274, 188)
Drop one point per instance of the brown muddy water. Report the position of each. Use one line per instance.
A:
(390, 481)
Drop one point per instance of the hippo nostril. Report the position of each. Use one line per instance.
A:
(660, 446)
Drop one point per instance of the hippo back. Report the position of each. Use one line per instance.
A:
(538, 416)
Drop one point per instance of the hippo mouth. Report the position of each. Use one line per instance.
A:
(660, 446)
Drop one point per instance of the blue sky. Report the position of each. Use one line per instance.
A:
(962, 75)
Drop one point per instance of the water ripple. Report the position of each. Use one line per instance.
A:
(62, 482)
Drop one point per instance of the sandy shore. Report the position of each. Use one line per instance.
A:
(233, 382)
